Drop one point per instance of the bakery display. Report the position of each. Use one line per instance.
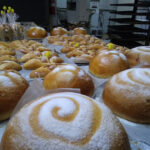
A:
(127, 94)
(10, 65)
(79, 31)
(69, 76)
(66, 121)
(12, 87)
(58, 31)
(36, 32)
(107, 63)
(138, 55)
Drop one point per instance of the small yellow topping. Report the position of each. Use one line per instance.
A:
(76, 45)
(12, 10)
(47, 54)
(2, 12)
(111, 46)
(8, 11)
(9, 8)
(4, 7)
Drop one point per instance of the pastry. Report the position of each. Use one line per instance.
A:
(32, 64)
(6, 52)
(56, 59)
(107, 63)
(128, 94)
(12, 87)
(58, 31)
(138, 55)
(78, 31)
(10, 65)
(64, 121)
(8, 58)
(36, 32)
(27, 57)
(42, 71)
(69, 76)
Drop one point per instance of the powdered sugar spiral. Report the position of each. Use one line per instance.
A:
(136, 80)
(142, 49)
(66, 121)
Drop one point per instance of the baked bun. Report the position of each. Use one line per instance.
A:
(128, 94)
(10, 65)
(7, 52)
(69, 76)
(33, 64)
(64, 121)
(36, 32)
(12, 87)
(107, 63)
(138, 55)
(58, 31)
(79, 31)
(8, 58)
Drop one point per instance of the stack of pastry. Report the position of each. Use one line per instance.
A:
(83, 47)
(35, 54)
(7, 58)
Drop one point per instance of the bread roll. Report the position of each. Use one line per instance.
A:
(36, 32)
(12, 87)
(64, 121)
(8, 58)
(10, 65)
(138, 55)
(69, 76)
(33, 64)
(107, 63)
(58, 31)
(79, 31)
(128, 94)
(7, 52)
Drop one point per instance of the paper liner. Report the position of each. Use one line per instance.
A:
(136, 132)
(36, 90)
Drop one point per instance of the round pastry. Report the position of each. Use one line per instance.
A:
(64, 121)
(80, 30)
(8, 58)
(10, 65)
(138, 55)
(58, 31)
(12, 87)
(128, 94)
(36, 32)
(107, 63)
(69, 76)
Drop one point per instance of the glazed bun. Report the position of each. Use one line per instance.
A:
(36, 32)
(128, 94)
(138, 55)
(12, 87)
(69, 76)
(79, 31)
(58, 31)
(107, 63)
(64, 121)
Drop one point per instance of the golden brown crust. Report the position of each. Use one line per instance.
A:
(36, 32)
(58, 31)
(107, 63)
(10, 65)
(10, 95)
(67, 78)
(79, 31)
(128, 99)
(8, 57)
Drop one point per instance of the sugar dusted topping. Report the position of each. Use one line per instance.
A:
(142, 49)
(136, 80)
(65, 121)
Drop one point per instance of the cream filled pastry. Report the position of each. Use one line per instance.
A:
(128, 94)
(64, 121)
